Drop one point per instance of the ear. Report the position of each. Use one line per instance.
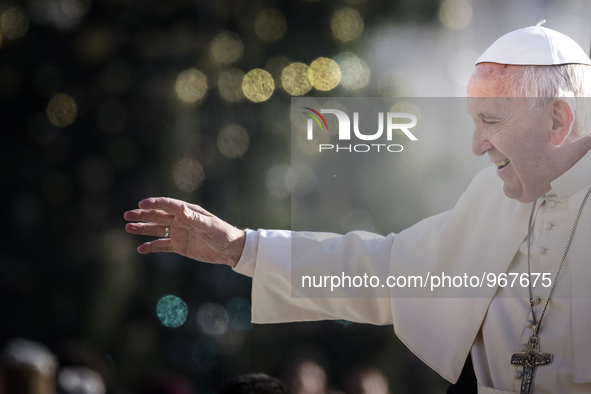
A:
(562, 121)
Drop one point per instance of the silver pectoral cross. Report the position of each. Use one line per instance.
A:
(529, 360)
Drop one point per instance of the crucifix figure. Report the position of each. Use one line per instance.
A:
(529, 360)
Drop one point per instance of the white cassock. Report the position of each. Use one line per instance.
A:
(485, 232)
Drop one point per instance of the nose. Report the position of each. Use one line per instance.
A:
(480, 144)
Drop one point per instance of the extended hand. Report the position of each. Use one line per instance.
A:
(192, 231)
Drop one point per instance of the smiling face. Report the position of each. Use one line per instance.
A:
(516, 138)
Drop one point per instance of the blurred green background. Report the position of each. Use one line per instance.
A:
(106, 102)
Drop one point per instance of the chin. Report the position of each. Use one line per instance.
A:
(515, 194)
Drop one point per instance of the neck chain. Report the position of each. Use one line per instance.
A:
(537, 324)
(531, 357)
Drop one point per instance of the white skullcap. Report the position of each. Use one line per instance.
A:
(535, 45)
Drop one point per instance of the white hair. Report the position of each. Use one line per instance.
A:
(569, 81)
(566, 80)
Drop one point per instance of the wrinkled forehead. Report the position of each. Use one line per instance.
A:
(495, 107)
(491, 80)
(490, 91)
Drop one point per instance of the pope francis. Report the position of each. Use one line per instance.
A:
(526, 213)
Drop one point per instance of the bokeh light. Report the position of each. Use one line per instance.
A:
(346, 24)
(191, 85)
(233, 141)
(14, 22)
(278, 180)
(455, 14)
(61, 110)
(212, 319)
(355, 73)
(61, 14)
(295, 79)
(188, 175)
(324, 73)
(230, 85)
(226, 47)
(172, 311)
(258, 85)
(270, 25)
(75, 8)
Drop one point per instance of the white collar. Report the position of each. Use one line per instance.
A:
(573, 180)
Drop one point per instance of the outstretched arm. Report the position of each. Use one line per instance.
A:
(192, 231)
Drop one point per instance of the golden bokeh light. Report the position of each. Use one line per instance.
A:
(324, 73)
(191, 85)
(355, 73)
(230, 85)
(455, 14)
(61, 110)
(295, 79)
(270, 25)
(14, 22)
(188, 175)
(346, 24)
(233, 141)
(258, 85)
(226, 48)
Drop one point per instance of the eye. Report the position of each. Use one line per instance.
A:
(489, 121)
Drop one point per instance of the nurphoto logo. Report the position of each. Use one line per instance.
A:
(392, 120)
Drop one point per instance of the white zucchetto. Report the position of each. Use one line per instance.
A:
(535, 45)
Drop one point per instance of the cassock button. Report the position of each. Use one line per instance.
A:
(552, 204)
(518, 374)
(548, 226)
(529, 324)
(542, 251)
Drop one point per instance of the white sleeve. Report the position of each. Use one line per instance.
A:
(247, 262)
(275, 298)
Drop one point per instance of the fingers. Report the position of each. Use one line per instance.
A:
(170, 205)
(149, 229)
(159, 245)
(149, 215)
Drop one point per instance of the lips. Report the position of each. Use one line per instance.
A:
(502, 164)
